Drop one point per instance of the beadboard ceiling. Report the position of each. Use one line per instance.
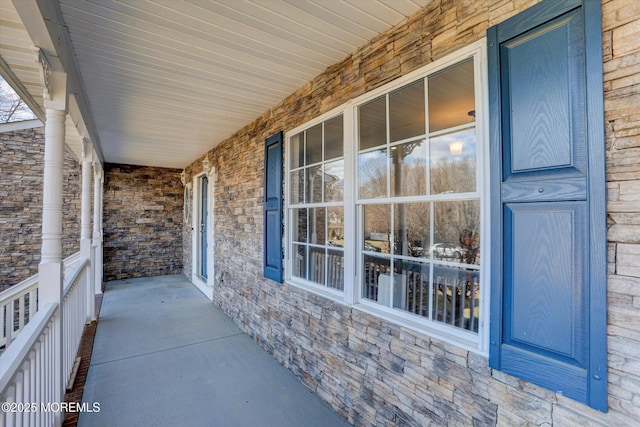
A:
(167, 80)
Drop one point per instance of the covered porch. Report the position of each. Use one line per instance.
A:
(240, 63)
(299, 207)
(164, 355)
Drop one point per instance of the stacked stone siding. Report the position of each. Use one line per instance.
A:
(142, 222)
(21, 177)
(375, 372)
(621, 53)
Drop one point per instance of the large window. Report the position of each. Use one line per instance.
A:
(385, 201)
(316, 204)
(419, 208)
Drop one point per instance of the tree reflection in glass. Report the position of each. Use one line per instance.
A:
(411, 229)
(377, 228)
(453, 171)
(457, 231)
(334, 181)
(409, 169)
(372, 174)
(314, 184)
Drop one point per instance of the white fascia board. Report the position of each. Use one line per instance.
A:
(21, 125)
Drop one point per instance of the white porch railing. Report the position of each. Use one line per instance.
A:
(19, 303)
(74, 303)
(30, 371)
(26, 372)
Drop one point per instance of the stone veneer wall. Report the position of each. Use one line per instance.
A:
(21, 177)
(375, 372)
(142, 222)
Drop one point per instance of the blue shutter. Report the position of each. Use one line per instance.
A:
(273, 207)
(548, 259)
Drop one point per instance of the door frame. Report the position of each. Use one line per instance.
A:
(205, 285)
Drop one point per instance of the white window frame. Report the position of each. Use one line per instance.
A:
(205, 287)
(334, 294)
(476, 342)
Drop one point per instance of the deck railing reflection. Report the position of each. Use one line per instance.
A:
(334, 272)
(453, 299)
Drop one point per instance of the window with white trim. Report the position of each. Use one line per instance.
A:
(316, 203)
(403, 168)
(418, 204)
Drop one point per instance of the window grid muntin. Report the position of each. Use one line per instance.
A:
(474, 342)
(308, 204)
(428, 197)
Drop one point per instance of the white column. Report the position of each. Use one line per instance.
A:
(50, 285)
(85, 219)
(85, 226)
(97, 225)
(52, 198)
(50, 281)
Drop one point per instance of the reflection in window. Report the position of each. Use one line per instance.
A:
(316, 204)
(373, 268)
(406, 112)
(456, 297)
(420, 243)
(297, 187)
(316, 265)
(313, 182)
(317, 218)
(334, 181)
(453, 162)
(372, 174)
(451, 97)
(377, 228)
(333, 135)
(409, 168)
(412, 229)
(457, 231)
(299, 219)
(299, 259)
(411, 287)
(296, 151)
(335, 226)
(372, 127)
(313, 153)
(335, 269)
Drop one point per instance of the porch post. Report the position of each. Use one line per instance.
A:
(85, 226)
(50, 288)
(97, 224)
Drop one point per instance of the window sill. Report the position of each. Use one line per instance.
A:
(332, 294)
(450, 335)
(466, 340)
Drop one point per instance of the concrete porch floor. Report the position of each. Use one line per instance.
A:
(164, 355)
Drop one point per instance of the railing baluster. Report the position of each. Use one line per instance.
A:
(21, 312)
(32, 385)
(30, 363)
(10, 417)
(8, 311)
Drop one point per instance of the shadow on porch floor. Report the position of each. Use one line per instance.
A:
(164, 355)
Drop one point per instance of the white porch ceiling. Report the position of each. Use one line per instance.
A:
(167, 80)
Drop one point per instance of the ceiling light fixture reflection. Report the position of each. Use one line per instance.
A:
(455, 148)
